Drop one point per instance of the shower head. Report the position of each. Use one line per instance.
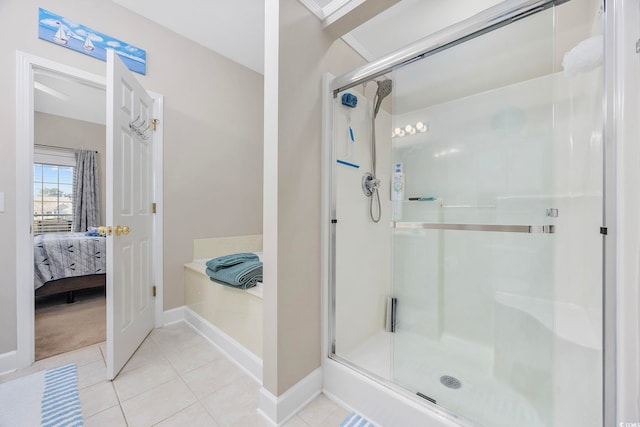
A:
(384, 89)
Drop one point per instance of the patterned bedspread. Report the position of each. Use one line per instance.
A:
(60, 255)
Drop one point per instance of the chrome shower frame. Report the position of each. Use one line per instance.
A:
(493, 18)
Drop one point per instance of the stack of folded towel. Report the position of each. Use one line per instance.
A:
(241, 270)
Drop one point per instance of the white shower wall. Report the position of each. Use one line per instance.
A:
(363, 248)
(528, 305)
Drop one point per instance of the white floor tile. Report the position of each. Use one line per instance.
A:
(318, 410)
(80, 357)
(97, 398)
(146, 377)
(91, 374)
(234, 403)
(298, 422)
(146, 353)
(112, 417)
(335, 418)
(103, 350)
(175, 336)
(157, 404)
(176, 378)
(190, 357)
(212, 376)
(193, 416)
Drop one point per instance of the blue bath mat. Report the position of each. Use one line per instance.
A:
(355, 420)
(45, 398)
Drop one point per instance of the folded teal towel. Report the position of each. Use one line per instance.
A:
(244, 275)
(230, 260)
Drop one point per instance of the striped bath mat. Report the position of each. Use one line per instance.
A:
(47, 398)
(355, 420)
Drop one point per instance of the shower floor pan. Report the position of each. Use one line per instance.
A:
(419, 365)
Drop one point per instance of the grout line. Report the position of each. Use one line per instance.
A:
(119, 403)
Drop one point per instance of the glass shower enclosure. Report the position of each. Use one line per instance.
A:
(479, 289)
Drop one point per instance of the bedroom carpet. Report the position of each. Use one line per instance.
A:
(62, 327)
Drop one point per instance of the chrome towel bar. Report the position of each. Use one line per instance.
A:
(530, 229)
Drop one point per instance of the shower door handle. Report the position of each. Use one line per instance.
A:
(528, 229)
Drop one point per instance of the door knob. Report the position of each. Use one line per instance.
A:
(122, 230)
(104, 230)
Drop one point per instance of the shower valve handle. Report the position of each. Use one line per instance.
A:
(369, 184)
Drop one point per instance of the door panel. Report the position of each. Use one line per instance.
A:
(130, 312)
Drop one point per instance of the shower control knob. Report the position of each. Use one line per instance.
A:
(369, 184)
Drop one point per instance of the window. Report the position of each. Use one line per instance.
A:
(53, 174)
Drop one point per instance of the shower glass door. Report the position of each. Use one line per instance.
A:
(479, 290)
(496, 251)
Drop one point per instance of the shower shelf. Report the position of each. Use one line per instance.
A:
(529, 229)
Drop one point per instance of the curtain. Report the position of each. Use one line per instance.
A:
(86, 209)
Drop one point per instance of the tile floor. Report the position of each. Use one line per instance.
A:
(175, 378)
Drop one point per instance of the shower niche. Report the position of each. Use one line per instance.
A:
(492, 249)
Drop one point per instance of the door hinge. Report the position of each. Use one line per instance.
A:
(153, 207)
(603, 231)
(154, 124)
(153, 290)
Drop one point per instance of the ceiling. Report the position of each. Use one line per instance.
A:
(408, 21)
(234, 29)
(70, 98)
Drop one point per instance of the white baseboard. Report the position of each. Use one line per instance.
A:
(236, 352)
(172, 316)
(278, 410)
(8, 362)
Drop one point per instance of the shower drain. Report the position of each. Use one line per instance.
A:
(451, 382)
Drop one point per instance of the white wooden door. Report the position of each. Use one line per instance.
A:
(130, 304)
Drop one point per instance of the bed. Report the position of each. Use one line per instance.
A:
(67, 262)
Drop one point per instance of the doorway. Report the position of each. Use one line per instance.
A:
(29, 67)
(69, 184)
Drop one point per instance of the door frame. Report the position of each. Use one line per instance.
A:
(26, 64)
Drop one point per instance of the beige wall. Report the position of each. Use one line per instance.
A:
(292, 337)
(212, 134)
(49, 129)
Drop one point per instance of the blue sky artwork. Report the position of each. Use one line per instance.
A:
(64, 32)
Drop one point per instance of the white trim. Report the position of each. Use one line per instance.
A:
(25, 294)
(235, 351)
(622, 23)
(26, 64)
(278, 410)
(358, 47)
(325, 211)
(337, 5)
(314, 8)
(270, 193)
(158, 234)
(337, 9)
(332, 11)
(174, 315)
(8, 362)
